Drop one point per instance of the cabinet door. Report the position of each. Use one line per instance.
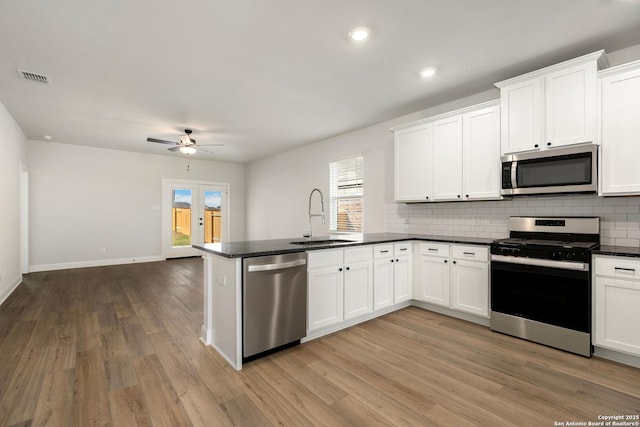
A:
(470, 287)
(571, 105)
(382, 283)
(616, 314)
(325, 295)
(434, 280)
(413, 164)
(481, 154)
(620, 128)
(521, 112)
(358, 289)
(447, 156)
(402, 279)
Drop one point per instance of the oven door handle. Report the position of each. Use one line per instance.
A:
(565, 265)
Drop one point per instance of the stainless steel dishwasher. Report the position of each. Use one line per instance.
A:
(274, 302)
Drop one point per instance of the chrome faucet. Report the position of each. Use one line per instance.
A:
(309, 235)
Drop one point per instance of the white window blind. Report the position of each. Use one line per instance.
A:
(346, 194)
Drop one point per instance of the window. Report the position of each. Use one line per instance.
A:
(346, 191)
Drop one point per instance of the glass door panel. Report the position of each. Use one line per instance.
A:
(212, 213)
(181, 204)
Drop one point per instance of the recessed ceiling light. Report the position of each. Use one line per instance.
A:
(360, 34)
(427, 72)
(47, 137)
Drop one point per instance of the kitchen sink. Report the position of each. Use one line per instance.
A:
(320, 242)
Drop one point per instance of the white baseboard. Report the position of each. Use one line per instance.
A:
(94, 263)
(484, 321)
(617, 356)
(13, 284)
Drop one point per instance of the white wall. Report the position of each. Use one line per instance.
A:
(278, 187)
(14, 152)
(84, 199)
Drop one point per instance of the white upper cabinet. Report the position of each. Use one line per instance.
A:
(480, 148)
(412, 163)
(620, 130)
(552, 107)
(522, 118)
(454, 156)
(447, 158)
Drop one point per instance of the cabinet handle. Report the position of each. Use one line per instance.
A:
(397, 260)
(454, 262)
(445, 261)
(535, 146)
(628, 270)
(347, 268)
(384, 252)
(432, 250)
(340, 269)
(469, 253)
(467, 196)
(548, 144)
(403, 249)
(391, 260)
(458, 196)
(427, 197)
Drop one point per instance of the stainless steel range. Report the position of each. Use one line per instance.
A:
(541, 281)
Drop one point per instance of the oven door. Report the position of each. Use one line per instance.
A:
(550, 292)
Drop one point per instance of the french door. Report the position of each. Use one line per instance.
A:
(193, 213)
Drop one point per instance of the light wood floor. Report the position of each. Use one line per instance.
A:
(119, 346)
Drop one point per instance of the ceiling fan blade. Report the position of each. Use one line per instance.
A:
(210, 145)
(176, 148)
(205, 151)
(161, 141)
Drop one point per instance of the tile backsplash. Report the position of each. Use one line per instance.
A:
(619, 216)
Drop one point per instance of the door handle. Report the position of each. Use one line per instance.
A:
(278, 266)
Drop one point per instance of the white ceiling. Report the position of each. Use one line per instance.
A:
(266, 76)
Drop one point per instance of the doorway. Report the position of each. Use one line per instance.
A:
(24, 219)
(193, 213)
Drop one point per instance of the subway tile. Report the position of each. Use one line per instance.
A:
(628, 242)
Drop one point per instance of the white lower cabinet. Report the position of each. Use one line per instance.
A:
(455, 276)
(433, 286)
(392, 274)
(358, 281)
(340, 285)
(616, 301)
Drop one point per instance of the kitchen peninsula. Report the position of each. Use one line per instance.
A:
(222, 326)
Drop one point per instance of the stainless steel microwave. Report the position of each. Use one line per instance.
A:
(559, 170)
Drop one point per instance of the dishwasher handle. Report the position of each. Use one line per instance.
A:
(277, 266)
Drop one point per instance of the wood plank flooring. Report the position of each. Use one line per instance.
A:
(118, 346)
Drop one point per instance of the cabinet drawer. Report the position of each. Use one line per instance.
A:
(405, 248)
(382, 251)
(360, 253)
(316, 259)
(623, 268)
(434, 249)
(471, 253)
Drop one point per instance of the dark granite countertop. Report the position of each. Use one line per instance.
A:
(253, 248)
(627, 251)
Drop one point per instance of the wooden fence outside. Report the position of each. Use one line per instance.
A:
(181, 223)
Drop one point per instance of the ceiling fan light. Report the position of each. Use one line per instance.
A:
(187, 150)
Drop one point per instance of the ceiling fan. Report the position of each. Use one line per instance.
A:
(187, 145)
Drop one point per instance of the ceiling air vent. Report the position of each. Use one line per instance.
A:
(34, 77)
